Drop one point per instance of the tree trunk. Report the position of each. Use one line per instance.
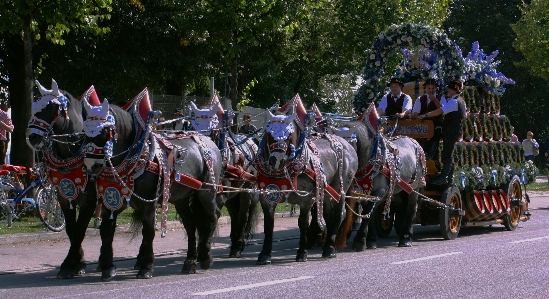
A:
(234, 82)
(20, 86)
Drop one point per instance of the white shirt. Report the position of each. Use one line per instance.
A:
(529, 146)
(406, 105)
(417, 103)
(451, 105)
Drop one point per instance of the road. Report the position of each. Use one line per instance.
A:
(483, 262)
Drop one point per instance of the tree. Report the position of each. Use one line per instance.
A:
(532, 40)
(490, 22)
(23, 24)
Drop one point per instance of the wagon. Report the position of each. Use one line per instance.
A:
(488, 179)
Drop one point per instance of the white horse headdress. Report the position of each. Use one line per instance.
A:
(98, 118)
(48, 96)
(205, 120)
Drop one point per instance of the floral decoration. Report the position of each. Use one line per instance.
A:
(480, 70)
(440, 58)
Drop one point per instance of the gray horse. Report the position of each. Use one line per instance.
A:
(389, 169)
(308, 171)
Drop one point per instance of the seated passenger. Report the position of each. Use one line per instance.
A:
(428, 102)
(395, 102)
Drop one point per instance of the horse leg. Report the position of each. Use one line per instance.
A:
(106, 230)
(236, 209)
(74, 263)
(406, 224)
(366, 237)
(189, 222)
(146, 250)
(314, 232)
(334, 216)
(303, 223)
(209, 212)
(264, 257)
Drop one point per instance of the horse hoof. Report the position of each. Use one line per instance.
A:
(358, 246)
(301, 257)
(371, 244)
(206, 263)
(145, 274)
(80, 269)
(263, 260)
(189, 267)
(108, 274)
(329, 255)
(235, 253)
(405, 242)
(65, 274)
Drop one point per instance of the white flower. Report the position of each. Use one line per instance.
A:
(372, 56)
(378, 63)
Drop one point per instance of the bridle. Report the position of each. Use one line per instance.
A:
(44, 128)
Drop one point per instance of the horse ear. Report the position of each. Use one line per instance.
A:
(269, 115)
(105, 106)
(87, 106)
(40, 87)
(214, 107)
(193, 106)
(54, 87)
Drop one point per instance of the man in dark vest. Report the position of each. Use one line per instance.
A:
(455, 113)
(395, 102)
(428, 102)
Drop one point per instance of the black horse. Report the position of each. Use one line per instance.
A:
(238, 153)
(392, 170)
(58, 113)
(300, 169)
(131, 176)
(191, 166)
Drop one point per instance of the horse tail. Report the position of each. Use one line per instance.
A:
(345, 228)
(252, 219)
(136, 223)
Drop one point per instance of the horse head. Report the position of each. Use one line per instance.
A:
(49, 115)
(205, 120)
(281, 147)
(99, 127)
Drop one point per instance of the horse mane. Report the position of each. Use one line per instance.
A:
(124, 128)
(76, 114)
(364, 143)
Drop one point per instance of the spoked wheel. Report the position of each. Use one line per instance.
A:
(514, 193)
(50, 209)
(383, 226)
(450, 223)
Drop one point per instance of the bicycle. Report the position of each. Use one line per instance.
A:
(14, 204)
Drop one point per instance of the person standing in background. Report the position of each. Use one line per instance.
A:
(247, 128)
(514, 137)
(529, 144)
(6, 127)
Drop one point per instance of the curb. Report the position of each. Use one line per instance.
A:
(8, 239)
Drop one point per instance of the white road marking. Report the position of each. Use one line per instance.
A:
(251, 286)
(529, 240)
(427, 258)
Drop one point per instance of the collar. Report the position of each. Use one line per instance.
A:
(397, 96)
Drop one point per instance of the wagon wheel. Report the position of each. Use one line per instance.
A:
(450, 223)
(514, 192)
(383, 226)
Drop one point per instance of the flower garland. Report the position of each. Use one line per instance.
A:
(469, 129)
(486, 124)
(472, 153)
(477, 124)
(442, 59)
(495, 157)
(497, 129)
(506, 125)
(513, 154)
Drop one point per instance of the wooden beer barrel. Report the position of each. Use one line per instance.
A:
(474, 206)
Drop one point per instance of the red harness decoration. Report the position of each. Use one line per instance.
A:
(69, 183)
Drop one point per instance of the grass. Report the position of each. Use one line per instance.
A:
(33, 224)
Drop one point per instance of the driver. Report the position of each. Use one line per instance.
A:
(395, 102)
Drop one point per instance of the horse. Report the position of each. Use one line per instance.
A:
(300, 169)
(59, 113)
(392, 170)
(238, 153)
(127, 173)
(191, 167)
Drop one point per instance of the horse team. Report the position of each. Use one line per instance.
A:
(98, 153)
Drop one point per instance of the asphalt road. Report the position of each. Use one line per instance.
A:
(483, 262)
